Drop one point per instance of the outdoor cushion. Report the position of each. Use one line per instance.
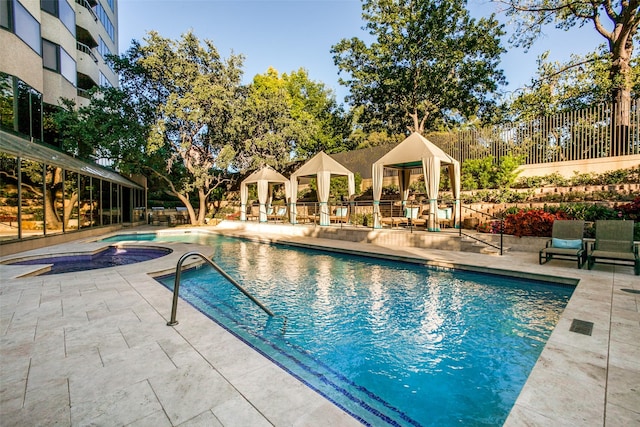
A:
(444, 213)
(282, 210)
(566, 243)
(411, 212)
(341, 211)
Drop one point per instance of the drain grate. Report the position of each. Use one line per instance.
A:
(581, 327)
(631, 291)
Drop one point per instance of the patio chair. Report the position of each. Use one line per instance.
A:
(614, 242)
(411, 215)
(445, 217)
(565, 243)
(278, 215)
(340, 214)
(391, 220)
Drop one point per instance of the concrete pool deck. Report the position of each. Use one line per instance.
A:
(93, 348)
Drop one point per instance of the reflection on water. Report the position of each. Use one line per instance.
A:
(389, 342)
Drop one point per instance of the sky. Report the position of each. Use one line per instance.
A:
(292, 34)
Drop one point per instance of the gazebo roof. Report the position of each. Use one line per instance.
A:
(267, 173)
(410, 152)
(321, 162)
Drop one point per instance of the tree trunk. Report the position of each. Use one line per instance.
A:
(620, 75)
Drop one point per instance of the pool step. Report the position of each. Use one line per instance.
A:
(468, 244)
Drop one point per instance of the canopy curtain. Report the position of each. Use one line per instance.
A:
(324, 182)
(244, 196)
(404, 177)
(377, 171)
(454, 174)
(431, 169)
(293, 199)
(263, 197)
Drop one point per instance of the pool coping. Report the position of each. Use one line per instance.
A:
(577, 379)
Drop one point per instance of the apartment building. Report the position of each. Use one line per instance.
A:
(52, 49)
(49, 50)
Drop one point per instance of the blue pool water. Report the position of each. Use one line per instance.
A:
(391, 343)
(109, 257)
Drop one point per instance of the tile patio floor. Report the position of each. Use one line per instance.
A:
(93, 348)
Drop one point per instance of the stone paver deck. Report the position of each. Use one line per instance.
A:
(93, 348)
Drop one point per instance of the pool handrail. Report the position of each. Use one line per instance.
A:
(176, 286)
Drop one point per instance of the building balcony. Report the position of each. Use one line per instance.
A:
(87, 25)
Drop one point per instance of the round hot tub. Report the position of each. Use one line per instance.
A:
(109, 257)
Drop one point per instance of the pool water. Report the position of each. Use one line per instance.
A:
(110, 257)
(391, 343)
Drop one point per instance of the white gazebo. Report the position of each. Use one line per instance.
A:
(265, 178)
(414, 152)
(322, 167)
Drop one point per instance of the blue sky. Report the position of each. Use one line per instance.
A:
(290, 34)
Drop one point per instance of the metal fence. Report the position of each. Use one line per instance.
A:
(576, 135)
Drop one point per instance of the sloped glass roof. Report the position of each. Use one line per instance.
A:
(20, 147)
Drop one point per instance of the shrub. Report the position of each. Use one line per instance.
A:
(631, 210)
(533, 222)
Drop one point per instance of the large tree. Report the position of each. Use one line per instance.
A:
(194, 94)
(615, 20)
(266, 132)
(286, 116)
(430, 63)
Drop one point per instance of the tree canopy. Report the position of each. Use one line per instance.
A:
(616, 21)
(430, 64)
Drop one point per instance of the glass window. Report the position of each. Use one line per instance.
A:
(24, 108)
(50, 56)
(6, 102)
(67, 16)
(6, 15)
(53, 201)
(27, 27)
(67, 66)
(104, 81)
(29, 111)
(50, 132)
(106, 22)
(9, 200)
(71, 196)
(88, 204)
(35, 98)
(110, 3)
(105, 203)
(61, 10)
(32, 206)
(50, 6)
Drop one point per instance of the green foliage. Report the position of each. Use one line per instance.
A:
(429, 64)
(338, 187)
(618, 176)
(485, 173)
(361, 219)
(612, 73)
(497, 196)
(189, 93)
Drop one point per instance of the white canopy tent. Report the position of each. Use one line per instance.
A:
(322, 167)
(414, 152)
(265, 178)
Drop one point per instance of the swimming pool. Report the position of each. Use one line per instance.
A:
(391, 343)
(108, 257)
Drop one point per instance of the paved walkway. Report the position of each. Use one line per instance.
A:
(93, 348)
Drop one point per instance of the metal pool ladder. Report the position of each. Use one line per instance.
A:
(176, 286)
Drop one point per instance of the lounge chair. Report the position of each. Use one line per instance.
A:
(565, 243)
(411, 214)
(614, 242)
(340, 214)
(445, 217)
(393, 221)
(278, 215)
